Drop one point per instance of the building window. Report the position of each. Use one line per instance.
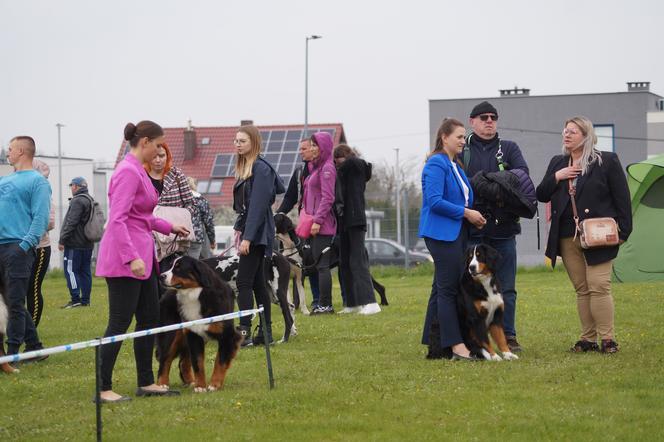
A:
(224, 165)
(202, 186)
(215, 186)
(605, 138)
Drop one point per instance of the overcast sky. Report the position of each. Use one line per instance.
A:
(95, 65)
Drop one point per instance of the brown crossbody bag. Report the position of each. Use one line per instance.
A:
(593, 232)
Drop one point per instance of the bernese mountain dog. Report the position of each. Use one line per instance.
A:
(196, 292)
(4, 320)
(480, 305)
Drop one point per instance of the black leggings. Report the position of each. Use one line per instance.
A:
(34, 298)
(128, 297)
(251, 275)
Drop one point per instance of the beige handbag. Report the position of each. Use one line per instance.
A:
(593, 232)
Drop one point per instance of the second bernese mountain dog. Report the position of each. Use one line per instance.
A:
(196, 292)
(480, 305)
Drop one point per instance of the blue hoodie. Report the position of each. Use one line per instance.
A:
(25, 200)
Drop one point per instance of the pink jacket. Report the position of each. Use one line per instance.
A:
(128, 234)
(318, 196)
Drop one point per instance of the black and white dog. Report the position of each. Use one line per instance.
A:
(196, 292)
(480, 305)
(301, 257)
(277, 278)
(4, 320)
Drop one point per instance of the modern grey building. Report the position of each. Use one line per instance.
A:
(629, 123)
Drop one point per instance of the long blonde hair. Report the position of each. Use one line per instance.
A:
(590, 152)
(244, 163)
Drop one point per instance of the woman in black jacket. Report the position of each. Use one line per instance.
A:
(352, 176)
(253, 195)
(600, 187)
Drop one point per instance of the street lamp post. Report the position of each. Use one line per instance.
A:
(306, 81)
(398, 195)
(59, 126)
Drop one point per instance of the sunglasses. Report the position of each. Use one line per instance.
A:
(489, 116)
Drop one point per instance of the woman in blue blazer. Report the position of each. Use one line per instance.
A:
(446, 198)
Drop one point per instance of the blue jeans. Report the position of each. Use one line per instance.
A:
(16, 266)
(506, 277)
(442, 307)
(78, 274)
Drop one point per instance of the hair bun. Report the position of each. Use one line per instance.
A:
(129, 131)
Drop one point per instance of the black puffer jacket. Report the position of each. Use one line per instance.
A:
(352, 177)
(71, 234)
(511, 190)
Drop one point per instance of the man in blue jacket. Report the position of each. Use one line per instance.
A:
(25, 198)
(486, 151)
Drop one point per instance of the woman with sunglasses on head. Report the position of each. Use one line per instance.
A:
(597, 182)
(446, 201)
(254, 193)
(127, 259)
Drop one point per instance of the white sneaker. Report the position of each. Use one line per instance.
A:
(350, 310)
(370, 309)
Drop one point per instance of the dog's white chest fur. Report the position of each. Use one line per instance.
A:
(190, 309)
(493, 302)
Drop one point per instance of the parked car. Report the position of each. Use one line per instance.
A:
(387, 252)
(224, 237)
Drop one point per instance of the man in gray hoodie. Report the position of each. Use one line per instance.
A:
(76, 246)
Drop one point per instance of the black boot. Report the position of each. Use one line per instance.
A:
(245, 332)
(435, 351)
(259, 339)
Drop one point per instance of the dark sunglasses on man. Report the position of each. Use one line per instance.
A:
(485, 117)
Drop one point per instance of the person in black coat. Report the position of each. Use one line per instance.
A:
(253, 195)
(76, 248)
(598, 181)
(352, 175)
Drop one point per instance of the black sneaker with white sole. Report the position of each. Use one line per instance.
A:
(71, 304)
(322, 310)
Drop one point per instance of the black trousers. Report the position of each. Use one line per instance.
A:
(251, 278)
(318, 244)
(354, 268)
(129, 297)
(35, 298)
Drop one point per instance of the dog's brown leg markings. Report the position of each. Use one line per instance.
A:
(199, 373)
(498, 335)
(163, 377)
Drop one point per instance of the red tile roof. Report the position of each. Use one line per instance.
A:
(221, 141)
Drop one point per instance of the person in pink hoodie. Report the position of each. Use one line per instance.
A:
(318, 201)
(127, 259)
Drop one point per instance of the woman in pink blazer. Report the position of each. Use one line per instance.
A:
(127, 259)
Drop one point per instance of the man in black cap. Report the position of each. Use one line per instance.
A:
(76, 246)
(485, 151)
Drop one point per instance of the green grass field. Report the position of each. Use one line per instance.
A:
(366, 378)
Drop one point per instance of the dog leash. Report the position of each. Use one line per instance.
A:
(226, 251)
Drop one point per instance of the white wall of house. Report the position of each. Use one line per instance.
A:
(71, 168)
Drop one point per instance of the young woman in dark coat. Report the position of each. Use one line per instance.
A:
(253, 195)
(352, 175)
(600, 191)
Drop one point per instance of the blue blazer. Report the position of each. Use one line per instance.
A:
(443, 202)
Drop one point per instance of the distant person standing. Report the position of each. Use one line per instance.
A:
(254, 193)
(352, 176)
(203, 222)
(317, 201)
(127, 259)
(293, 198)
(446, 213)
(485, 151)
(35, 298)
(24, 203)
(76, 246)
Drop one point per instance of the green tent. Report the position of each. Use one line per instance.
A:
(641, 258)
